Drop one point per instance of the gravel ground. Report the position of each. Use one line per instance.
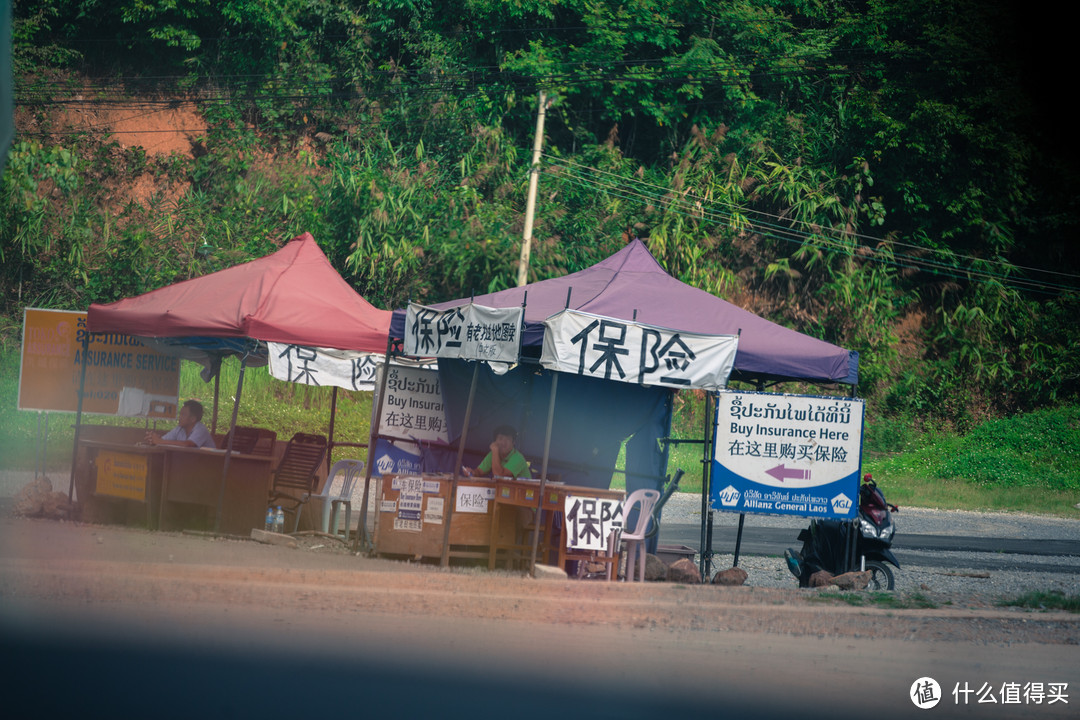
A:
(919, 573)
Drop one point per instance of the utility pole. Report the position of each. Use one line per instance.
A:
(530, 202)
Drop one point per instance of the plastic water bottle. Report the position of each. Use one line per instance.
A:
(271, 519)
(279, 520)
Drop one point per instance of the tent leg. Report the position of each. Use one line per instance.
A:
(229, 446)
(330, 440)
(217, 396)
(444, 560)
(706, 515)
(543, 471)
(373, 434)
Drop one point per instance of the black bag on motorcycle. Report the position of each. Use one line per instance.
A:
(824, 545)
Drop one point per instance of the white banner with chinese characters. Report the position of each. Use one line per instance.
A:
(601, 347)
(468, 332)
(346, 369)
(590, 520)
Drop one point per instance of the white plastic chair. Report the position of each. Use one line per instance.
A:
(333, 501)
(635, 539)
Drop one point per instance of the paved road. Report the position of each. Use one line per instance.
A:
(772, 541)
(909, 548)
(107, 622)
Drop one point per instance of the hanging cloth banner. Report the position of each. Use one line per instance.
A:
(347, 369)
(602, 347)
(467, 332)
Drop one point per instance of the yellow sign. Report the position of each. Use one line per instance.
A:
(117, 367)
(121, 475)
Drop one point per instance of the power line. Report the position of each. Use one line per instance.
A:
(702, 209)
(779, 218)
(802, 238)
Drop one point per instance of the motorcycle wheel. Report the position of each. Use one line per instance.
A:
(881, 577)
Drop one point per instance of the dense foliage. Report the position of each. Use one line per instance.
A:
(878, 174)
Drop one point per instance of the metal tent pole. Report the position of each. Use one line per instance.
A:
(706, 516)
(217, 394)
(444, 560)
(543, 471)
(373, 434)
(330, 440)
(742, 516)
(229, 445)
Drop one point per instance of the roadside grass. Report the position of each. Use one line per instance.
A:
(1043, 600)
(955, 494)
(888, 600)
(284, 407)
(1027, 463)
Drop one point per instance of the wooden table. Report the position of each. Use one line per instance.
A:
(193, 476)
(526, 493)
(119, 482)
(136, 484)
(412, 511)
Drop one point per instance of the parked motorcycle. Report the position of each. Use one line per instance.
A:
(826, 544)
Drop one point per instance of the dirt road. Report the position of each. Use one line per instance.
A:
(118, 622)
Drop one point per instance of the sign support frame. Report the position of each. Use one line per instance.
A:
(78, 416)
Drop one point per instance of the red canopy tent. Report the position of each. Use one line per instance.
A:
(293, 296)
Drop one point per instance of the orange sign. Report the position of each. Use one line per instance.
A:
(121, 475)
(116, 366)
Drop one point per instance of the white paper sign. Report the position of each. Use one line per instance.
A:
(468, 332)
(328, 367)
(434, 512)
(413, 408)
(601, 347)
(590, 520)
(473, 499)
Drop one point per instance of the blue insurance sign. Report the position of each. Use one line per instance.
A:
(787, 454)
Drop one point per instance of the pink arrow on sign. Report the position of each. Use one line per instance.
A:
(781, 473)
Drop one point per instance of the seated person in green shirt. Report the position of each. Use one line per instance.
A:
(504, 460)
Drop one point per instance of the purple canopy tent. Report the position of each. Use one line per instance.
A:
(596, 418)
(631, 285)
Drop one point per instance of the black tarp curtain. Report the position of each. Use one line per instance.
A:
(592, 418)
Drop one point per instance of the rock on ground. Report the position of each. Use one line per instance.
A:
(684, 571)
(851, 580)
(731, 576)
(38, 499)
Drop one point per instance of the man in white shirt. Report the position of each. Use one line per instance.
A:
(189, 433)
